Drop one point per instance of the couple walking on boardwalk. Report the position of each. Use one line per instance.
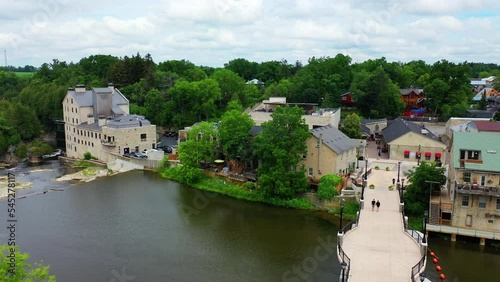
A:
(375, 204)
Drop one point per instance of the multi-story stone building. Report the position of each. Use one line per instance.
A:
(98, 121)
(475, 173)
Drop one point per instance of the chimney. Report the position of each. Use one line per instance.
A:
(80, 88)
(90, 119)
(112, 87)
(102, 120)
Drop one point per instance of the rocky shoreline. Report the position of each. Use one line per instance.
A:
(4, 188)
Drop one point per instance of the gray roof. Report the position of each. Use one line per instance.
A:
(128, 121)
(368, 121)
(333, 138)
(365, 129)
(405, 92)
(400, 127)
(481, 113)
(93, 126)
(84, 99)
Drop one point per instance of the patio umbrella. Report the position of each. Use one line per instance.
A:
(219, 161)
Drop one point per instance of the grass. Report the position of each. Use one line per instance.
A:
(85, 164)
(24, 74)
(238, 191)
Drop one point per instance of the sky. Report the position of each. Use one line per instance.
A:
(213, 32)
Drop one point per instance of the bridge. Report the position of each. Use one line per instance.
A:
(379, 245)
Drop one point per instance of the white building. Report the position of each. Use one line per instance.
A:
(98, 121)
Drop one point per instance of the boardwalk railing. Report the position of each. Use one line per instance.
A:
(416, 269)
(346, 261)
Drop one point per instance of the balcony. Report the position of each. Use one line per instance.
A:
(469, 161)
(475, 189)
(108, 143)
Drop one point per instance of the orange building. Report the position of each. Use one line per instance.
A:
(413, 98)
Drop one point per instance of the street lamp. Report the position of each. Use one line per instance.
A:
(364, 180)
(419, 155)
(401, 189)
(426, 214)
(341, 211)
(399, 168)
(343, 265)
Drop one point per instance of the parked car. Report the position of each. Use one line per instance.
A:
(138, 155)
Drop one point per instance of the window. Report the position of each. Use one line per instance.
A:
(483, 180)
(310, 171)
(304, 156)
(473, 155)
(143, 137)
(498, 204)
(72, 103)
(467, 176)
(468, 220)
(76, 120)
(76, 110)
(465, 201)
(482, 202)
(71, 109)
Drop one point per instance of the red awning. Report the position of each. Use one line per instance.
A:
(407, 152)
(428, 154)
(438, 155)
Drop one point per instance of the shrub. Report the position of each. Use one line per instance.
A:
(377, 167)
(391, 187)
(372, 186)
(387, 168)
(249, 185)
(22, 150)
(87, 155)
(327, 187)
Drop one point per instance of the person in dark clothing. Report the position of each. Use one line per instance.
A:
(378, 204)
(373, 204)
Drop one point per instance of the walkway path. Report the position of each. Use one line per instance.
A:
(379, 249)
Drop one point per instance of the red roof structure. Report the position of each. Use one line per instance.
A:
(483, 125)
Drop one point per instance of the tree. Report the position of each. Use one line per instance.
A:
(352, 126)
(327, 187)
(156, 106)
(244, 68)
(435, 92)
(418, 191)
(231, 86)
(233, 133)
(279, 148)
(23, 270)
(200, 145)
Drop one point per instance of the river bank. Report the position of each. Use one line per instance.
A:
(251, 193)
(4, 189)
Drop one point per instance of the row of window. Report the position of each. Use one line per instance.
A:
(67, 100)
(66, 119)
(482, 202)
(467, 175)
(73, 110)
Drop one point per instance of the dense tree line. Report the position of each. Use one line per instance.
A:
(177, 93)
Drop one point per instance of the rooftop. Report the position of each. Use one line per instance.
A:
(405, 92)
(333, 138)
(482, 125)
(400, 127)
(487, 143)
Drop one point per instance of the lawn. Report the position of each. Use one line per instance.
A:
(24, 74)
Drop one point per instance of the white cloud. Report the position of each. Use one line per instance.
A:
(214, 32)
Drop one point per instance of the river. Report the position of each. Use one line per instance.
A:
(138, 226)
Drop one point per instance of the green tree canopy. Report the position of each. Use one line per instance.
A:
(417, 193)
(233, 133)
(201, 145)
(23, 271)
(156, 106)
(352, 126)
(280, 147)
(327, 187)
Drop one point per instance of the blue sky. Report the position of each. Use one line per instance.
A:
(212, 32)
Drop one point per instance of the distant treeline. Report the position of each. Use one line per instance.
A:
(177, 93)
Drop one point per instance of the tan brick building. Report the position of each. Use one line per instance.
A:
(98, 121)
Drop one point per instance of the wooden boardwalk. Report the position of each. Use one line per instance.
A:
(379, 248)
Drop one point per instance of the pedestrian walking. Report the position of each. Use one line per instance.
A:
(373, 204)
(378, 204)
